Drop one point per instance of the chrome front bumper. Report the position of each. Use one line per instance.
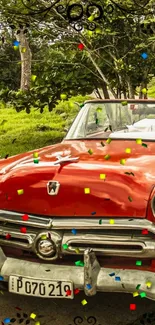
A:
(91, 273)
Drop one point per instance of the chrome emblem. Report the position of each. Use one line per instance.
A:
(53, 187)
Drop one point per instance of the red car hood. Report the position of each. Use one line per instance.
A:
(118, 195)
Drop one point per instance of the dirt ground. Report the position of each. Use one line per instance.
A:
(105, 308)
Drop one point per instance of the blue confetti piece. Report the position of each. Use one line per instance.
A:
(112, 274)
(16, 43)
(117, 278)
(1, 278)
(6, 320)
(144, 55)
(88, 286)
(74, 231)
(93, 213)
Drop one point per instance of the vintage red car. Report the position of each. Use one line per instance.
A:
(80, 215)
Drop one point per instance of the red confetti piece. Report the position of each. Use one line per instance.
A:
(23, 230)
(145, 232)
(76, 291)
(8, 236)
(18, 308)
(9, 198)
(132, 306)
(25, 217)
(81, 46)
(68, 293)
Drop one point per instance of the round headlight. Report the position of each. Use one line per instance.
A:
(46, 247)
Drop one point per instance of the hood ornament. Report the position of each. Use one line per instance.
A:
(53, 187)
(61, 160)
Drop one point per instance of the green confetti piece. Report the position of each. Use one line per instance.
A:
(138, 286)
(79, 263)
(108, 141)
(81, 105)
(130, 198)
(98, 109)
(102, 144)
(91, 18)
(65, 246)
(97, 121)
(138, 263)
(107, 157)
(36, 161)
(143, 294)
(144, 145)
(124, 103)
(90, 151)
(100, 222)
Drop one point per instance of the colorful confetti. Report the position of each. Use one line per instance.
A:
(88, 286)
(144, 56)
(139, 141)
(135, 294)
(100, 222)
(111, 221)
(103, 176)
(8, 236)
(23, 49)
(35, 155)
(117, 278)
(138, 263)
(122, 161)
(44, 237)
(20, 192)
(74, 231)
(23, 230)
(130, 198)
(91, 18)
(1, 278)
(84, 302)
(138, 286)
(76, 291)
(124, 103)
(102, 144)
(65, 246)
(16, 48)
(33, 77)
(68, 293)
(36, 161)
(149, 284)
(90, 151)
(16, 43)
(98, 31)
(63, 96)
(145, 232)
(112, 274)
(144, 91)
(143, 294)
(108, 141)
(6, 320)
(128, 150)
(107, 157)
(144, 145)
(132, 306)
(87, 190)
(25, 217)
(80, 46)
(79, 263)
(77, 251)
(33, 316)
(93, 213)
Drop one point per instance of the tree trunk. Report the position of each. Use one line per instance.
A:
(131, 90)
(105, 90)
(26, 57)
(98, 93)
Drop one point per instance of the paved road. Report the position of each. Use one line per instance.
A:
(108, 308)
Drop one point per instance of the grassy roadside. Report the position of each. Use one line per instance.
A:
(20, 132)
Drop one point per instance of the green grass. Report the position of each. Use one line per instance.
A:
(20, 132)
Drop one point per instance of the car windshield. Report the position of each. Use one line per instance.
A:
(115, 120)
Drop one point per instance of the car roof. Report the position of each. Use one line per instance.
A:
(120, 100)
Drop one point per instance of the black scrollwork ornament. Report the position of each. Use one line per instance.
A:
(91, 320)
(78, 320)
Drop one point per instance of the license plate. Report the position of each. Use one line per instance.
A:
(40, 288)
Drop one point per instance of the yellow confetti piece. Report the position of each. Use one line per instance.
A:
(33, 77)
(87, 190)
(35, 155)
(128, 150)
(23, 49)
(44, 237)
(111, 221)
(107, 157)
(77, 250)
(135, 294)
(144, 91)
(90, 151)
(91, 18)
(124, 103)
(37, 323)
(149, 284)
(90, 33)
(63, 96)
(33, 316)
(102, 176)
(122, 161)
(108, 141)
(20, 192)
(98, 109)
(16, 48)
(98, 31)
(84, 302)
(138, 141)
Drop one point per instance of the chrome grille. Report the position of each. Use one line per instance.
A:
(123, 239)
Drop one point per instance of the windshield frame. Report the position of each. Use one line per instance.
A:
(102, 101)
